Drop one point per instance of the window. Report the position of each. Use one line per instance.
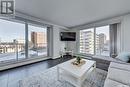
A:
(102, 41)
(95, 41)
(37, 41)
(12, 40)
(87, 41)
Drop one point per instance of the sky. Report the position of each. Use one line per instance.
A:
(12, 30)
(104, 29)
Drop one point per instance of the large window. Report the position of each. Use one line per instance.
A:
(14, 44)
(95, 41)
(12, 40)
(37, 41)
(102, 41)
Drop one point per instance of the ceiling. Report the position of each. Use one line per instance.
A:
(70, 13)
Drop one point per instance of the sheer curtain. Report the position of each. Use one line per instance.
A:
(50, 40)
(114, 39)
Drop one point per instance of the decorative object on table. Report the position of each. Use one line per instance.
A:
(65, 48)
(79, 61)
(82, 62)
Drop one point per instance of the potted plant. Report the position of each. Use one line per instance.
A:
(78, 59)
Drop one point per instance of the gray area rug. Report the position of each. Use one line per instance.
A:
(49, 79)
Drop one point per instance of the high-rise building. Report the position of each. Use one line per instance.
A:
(102, 40)
(87, 42)
(38, 39)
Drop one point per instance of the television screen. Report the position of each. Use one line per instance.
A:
(68, 36)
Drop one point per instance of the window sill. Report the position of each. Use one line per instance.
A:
(13, 64)
(107, 58)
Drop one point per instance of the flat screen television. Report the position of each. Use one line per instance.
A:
(68, 36)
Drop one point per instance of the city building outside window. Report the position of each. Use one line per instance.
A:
(37, 37)
(95, 41)
(87, 41)
(102, 41)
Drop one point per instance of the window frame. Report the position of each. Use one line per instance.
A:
(41, 26)
(26, 24)
(94, 29)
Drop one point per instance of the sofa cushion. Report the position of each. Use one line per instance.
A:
(112, 83)
(124, 56)
(123, 66)
(119, 75)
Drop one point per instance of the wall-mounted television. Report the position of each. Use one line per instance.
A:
(68, 36)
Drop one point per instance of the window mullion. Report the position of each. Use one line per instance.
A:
(94, 41)
(26, 40)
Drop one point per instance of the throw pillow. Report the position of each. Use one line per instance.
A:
(124, 56)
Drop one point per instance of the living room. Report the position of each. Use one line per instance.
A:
(64, 43)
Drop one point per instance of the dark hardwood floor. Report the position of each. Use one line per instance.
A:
(11, 76)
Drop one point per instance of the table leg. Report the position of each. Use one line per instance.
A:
(94, 66)
(79, 83)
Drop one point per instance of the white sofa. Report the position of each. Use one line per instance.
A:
(118, 75)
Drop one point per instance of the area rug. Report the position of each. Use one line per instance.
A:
(49, 79)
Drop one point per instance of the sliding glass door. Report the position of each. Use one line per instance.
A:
(37, 37)
(12, 40)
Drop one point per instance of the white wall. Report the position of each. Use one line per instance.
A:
(57, 44)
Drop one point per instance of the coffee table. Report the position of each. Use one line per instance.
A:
(75, 74)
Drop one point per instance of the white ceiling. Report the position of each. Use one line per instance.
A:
(71, 13)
